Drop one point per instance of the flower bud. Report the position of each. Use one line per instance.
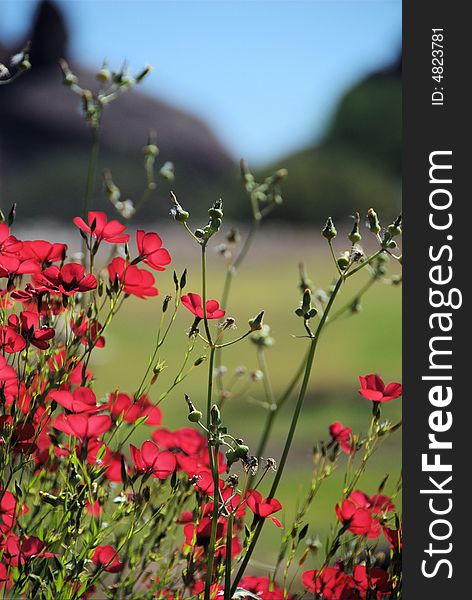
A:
(104, 75)
(256, 323)
(306, 311)
(215, 417)
(396, 227)
(167, 171)
(195, 416)
(241, 450)
(11, 215)
(343, 262)
(143, 74)
(329, 231)
(373, 220)
(165, 304)
(355, 235)
(69, 78)
(177, 211)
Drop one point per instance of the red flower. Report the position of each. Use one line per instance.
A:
(136, 282)
(83, 426)
(187, 439)
(106, 557)
(356, 520)
(331, 582)
(88, 331)
(394, 537)
(263, 507)
(9, 510)
(342, 435)
(134, 409)
(81, 400)
(150, 460)
(5, 576)
(376, 503)
(263, 587)
(194, 304)
(101, 229)
(43, 252)
(151, 251)
(111, 460)
(10, 266)
(374, 389)
(68, 280)
(8, 243)
(95, 509)
(8, 379)
(18, 551)
(28, 326)
(376, 579)
(10, 340)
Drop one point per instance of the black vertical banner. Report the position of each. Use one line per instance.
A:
(437, 350)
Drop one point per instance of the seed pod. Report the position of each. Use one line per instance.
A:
(329, 231)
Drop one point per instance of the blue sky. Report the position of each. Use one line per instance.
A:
(265, 74)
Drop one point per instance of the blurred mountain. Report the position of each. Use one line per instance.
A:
(44, 142)
(357, 164)
(44, 146)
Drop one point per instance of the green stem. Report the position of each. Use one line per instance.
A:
(293, 426)
(229, 542)
(92, 167)
(204, 294)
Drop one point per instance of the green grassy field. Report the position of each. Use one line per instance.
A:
(367, 342)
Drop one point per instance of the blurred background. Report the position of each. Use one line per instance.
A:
(311, 86)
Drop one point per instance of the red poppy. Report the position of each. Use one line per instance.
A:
(342, 435)
(11, 266)
(81, 400)
(394, 537)
(374, 389)
(194, 304)
(83, 425)
(8, 243)
(95, 509)
(5, 576)
(10, 340)
(136, 282)
(263, 507)
(43, 252)
(123, 404)
(376, 504)
(101, 229)
(27, 324)
(17, 551)
(68, 280)
(106, 557)
(375, 579)
(188, 440)
(109, 459)
(150, 250)
(150, 460)
(263, 587)
(8, 379)
(356, 520)
(331, 582)
(9, 510)
(88, 331)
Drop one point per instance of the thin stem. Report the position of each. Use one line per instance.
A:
(229, 542)
(293, 426)
(92, 167)
(204, 294)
